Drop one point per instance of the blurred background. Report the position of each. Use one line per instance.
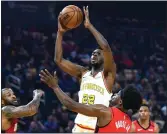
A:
(136, 32)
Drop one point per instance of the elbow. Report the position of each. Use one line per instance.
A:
(58, 57)
(57, 60)
(105, 47)
(36, 110)
(33, 111)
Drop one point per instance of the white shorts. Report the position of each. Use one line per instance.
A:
(78, 129)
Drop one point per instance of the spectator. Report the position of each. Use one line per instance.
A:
(51, 124)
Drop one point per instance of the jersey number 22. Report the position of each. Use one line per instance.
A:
(88, 99)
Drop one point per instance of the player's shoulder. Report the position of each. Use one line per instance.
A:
(134, 121)
(156, 127)
(7, 108)
(154, 124)
(135, 124)
(101, 106)
(84, 69)
(116, 109)
(81, 69)
(85, 72)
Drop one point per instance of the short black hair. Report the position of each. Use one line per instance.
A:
(2, 92)
(131, 98)
(145, 105)
(4, 89)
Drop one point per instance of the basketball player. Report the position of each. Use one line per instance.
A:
(11, 112)
(110, 119)
(144, 124)
(95, 84)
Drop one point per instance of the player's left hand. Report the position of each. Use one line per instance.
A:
(47, 78)
(87, 20)
(38, 92)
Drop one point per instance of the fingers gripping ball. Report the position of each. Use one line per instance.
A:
(71, 17)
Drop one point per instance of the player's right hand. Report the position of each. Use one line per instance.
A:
(87, 20)
(60, 28)
(47, 78)
(38, 93)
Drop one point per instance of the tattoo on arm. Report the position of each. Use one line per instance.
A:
(22, 111)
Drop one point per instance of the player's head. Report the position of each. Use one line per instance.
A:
(127, 98)
(144, 112)
(115, 98)
(8, 97)
(97, 58)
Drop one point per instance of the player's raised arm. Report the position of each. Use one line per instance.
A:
(91, 110)
(26, 110)
(109, 64)
(67, 66)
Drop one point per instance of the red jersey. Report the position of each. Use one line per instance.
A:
(13, 127)
(120, 122)
(140, 129)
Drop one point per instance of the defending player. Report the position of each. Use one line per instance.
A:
(95, 84)
(110, 119)
(144, 124)
(11, 112)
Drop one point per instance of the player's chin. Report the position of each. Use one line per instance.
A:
(113, 102)
(143, 118)
(94, 62)
(15, 103)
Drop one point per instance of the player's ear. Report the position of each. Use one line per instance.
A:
(120, 102)
(2, 102)
(55, 76)
(59, 16)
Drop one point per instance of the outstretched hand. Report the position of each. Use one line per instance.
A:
(38, 92)
(87, 20)
(60, 28)
(47, 78)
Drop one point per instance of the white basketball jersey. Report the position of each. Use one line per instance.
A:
(92, 91)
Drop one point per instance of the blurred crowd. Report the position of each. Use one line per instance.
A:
(138, 49)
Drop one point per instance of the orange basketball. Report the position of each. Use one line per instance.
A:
(71, 17)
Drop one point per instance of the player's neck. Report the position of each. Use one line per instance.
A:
(96, 69)
(120, 107)
(146, 121)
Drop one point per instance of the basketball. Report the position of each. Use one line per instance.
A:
(71, 17)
